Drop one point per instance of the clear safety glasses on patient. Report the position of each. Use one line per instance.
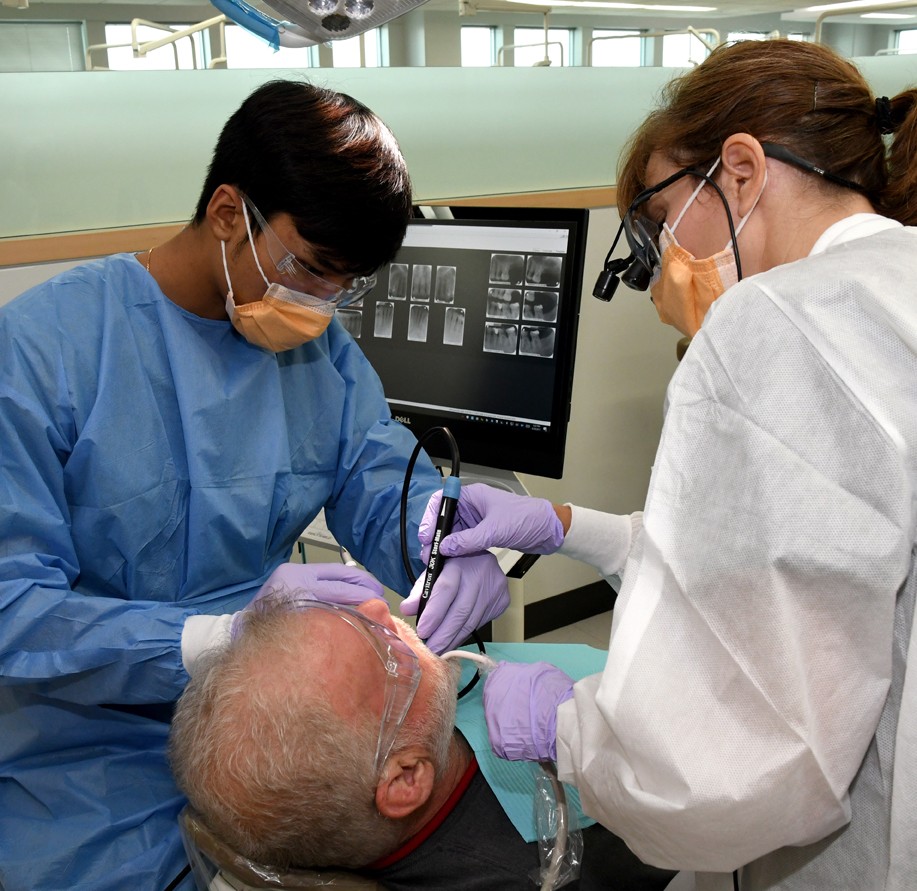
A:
(299, 278)
(402, 668)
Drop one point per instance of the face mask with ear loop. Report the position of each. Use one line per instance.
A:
(283, 318)
(684, 287)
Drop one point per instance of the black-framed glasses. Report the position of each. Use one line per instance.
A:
(642, 236)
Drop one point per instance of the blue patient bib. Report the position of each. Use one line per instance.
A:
(513, 782)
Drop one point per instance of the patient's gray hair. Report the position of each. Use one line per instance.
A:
(270, 765)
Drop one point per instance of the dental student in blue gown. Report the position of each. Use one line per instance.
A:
(170, 421)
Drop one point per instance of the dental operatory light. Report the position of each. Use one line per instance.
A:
(295, 23)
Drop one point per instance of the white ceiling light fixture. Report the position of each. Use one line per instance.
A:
(311, 22)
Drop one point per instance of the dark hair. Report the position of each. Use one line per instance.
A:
(803, 96)
(325, 159)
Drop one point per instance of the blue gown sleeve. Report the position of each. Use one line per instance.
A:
(64, 641)
(363, 512)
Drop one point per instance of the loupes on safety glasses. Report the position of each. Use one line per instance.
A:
(400, 662)
(642, 236)
(294, 275)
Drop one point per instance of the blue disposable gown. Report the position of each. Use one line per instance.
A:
(153, 465)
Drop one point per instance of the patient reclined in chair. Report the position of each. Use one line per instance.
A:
(287, 750)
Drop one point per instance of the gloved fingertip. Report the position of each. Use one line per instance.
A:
(460, 544)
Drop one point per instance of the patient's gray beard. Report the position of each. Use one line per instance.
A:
(434, 732)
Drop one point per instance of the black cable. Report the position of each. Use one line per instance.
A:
(175, 882)
(405, 555)
(456, 467)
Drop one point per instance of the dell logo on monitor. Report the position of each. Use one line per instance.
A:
(402, 419)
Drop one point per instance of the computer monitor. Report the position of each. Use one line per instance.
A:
(473, 327)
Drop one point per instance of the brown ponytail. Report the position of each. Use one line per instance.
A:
(899, 198)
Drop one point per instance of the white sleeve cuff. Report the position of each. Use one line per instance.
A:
(202, 633)
(599, 539)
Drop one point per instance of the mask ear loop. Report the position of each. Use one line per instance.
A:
(694, 194)
(745, 218)
(230, 303)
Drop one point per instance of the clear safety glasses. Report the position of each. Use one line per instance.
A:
(400, 662)
(294, 275)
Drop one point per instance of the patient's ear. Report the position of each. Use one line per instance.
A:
(406, 784)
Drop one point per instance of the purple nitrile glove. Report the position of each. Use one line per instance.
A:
(328, 582)
(487, 517)
(469, 592)
(520, 706)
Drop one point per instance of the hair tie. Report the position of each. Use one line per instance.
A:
(884, 115)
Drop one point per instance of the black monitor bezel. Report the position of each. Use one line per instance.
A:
(509, 448)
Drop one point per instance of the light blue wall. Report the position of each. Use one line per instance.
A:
(93, 151)
(90, 150)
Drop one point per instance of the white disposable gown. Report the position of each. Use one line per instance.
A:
(756, 710)
(153, 465)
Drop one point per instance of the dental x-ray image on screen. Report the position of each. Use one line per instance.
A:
(543, 271)
(503, 303)
(454, 329)
(507, 269)
(536, 340)
(494, 364)
(352, 320)
(398, 281)
(385, 320)
(540, 306)
(418, 323)
(421, 281)
(444, 291)
(500, 338)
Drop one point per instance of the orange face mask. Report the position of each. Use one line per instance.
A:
(275, 322)
(283, 318)
(684, 287)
